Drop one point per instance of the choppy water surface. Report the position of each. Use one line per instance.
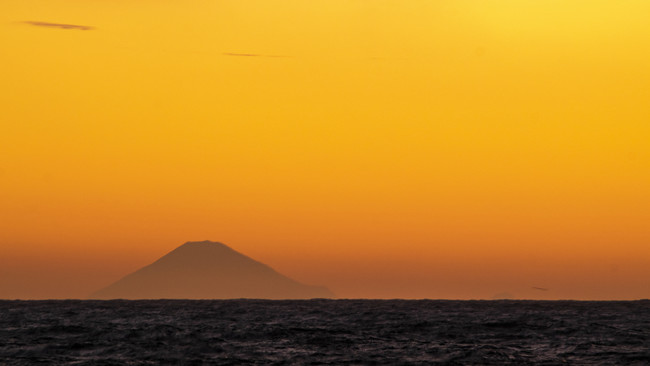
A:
(324, 332)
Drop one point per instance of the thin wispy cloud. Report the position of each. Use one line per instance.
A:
(251, 55)
(540, 288)
(59, 25)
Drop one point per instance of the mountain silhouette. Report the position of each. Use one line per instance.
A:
(208, 270)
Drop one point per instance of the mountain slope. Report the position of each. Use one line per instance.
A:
(208, 270)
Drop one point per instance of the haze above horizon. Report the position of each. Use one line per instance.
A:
(386, 149)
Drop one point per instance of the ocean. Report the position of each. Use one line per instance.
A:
(324, 332)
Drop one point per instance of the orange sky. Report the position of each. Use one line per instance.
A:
(384, 148)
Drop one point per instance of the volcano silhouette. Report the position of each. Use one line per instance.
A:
(208, 270)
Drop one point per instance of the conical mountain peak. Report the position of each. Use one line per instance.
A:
(203, 243)
(205, 246)
(208, 270)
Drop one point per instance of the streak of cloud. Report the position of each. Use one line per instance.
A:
(539, 288)
(251, 55)
(59, 25)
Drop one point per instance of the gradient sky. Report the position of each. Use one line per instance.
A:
(383, 148)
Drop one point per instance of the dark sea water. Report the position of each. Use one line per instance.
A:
(323, 332)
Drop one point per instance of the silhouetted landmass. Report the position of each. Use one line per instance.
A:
(208, 270)
(59, 25)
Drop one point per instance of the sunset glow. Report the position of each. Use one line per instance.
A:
(384, 148)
